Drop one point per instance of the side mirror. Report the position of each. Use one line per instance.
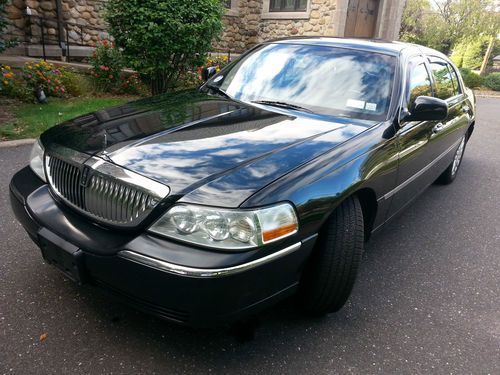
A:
(208, 73)
(427, 108)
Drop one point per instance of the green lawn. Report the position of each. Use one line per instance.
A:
(32, 119)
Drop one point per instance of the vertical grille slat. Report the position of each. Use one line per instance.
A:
(104, 198)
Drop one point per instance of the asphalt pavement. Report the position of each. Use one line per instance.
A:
(427, 299)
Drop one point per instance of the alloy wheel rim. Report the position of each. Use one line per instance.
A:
(458, 157)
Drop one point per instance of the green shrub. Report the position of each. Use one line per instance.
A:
(492, 81)
(75, 84)
(469, 54)
(162, 39)
(457, 54)
(107, 64)
(470, 78)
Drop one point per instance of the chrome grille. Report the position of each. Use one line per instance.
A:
(103, 197)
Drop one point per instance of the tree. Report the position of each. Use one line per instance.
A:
(163, 38)
(441, 24)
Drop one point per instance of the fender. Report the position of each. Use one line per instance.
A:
(319, 186)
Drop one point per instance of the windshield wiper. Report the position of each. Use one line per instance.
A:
(218, 90)
(282, 105)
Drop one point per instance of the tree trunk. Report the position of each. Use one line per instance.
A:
(159, 83)
(487, 56)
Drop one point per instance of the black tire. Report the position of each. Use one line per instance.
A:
(329, 277)
(450, 173)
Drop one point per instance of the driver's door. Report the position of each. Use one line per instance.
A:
(416, 154)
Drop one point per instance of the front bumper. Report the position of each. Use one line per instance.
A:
(184, 284)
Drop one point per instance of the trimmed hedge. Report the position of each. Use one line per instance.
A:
(470, 78)
(469, 54)
(492, 81)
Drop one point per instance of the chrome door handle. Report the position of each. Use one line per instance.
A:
(465, 109)
(438, 128)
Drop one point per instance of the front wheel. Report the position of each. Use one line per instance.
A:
(449, 175)
(329, 277)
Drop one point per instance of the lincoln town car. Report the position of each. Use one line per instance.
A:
(207, 206)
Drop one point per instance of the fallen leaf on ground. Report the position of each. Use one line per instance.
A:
(43, 337)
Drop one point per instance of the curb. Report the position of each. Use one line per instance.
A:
(17, 142)
(488, 96)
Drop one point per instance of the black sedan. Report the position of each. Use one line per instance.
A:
(205, 207)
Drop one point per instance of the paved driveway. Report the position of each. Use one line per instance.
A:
(427, 299)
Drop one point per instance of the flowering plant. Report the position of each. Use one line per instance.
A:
(45, 76)
(132, 85)
(7, 79)
(107, 64)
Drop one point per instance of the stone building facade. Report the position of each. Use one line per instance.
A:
(247, 22)
(83, 20)
(252, 21)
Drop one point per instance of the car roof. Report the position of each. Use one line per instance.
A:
(373, 45)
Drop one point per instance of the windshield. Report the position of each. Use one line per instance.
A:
(324, 80)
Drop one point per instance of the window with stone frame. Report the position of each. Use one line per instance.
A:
(288, 5)
(231, 7)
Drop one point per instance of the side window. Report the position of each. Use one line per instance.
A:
(419, 83)
(443, 80)
(456, 83)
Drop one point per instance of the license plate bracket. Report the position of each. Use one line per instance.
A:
(63, 255)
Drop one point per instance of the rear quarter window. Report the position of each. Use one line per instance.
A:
(442, 79)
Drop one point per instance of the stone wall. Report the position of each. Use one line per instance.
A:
(251, 25)
(16, 20)
(88, 13)
(319, 23)
(241, 30)
(247, 24)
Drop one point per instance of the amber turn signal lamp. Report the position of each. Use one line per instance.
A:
(277, 233)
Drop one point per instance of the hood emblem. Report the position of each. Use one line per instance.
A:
(104, 153)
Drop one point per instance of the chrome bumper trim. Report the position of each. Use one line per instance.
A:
(204, 272)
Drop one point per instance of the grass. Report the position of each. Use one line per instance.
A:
(30, 120)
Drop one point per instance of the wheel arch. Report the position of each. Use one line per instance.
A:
(369, 206)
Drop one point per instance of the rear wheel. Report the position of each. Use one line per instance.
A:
(329, 277)
(449, 175)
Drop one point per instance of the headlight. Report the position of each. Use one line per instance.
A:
(227, 229)
(36, 160)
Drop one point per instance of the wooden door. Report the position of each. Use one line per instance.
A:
(361, 18)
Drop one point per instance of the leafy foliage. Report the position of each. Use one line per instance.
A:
(75, 84)
(471, 79)
(4, 44)
(443, 24)
(163, 39)
(492, 81)
(469, 54)
(107, 64)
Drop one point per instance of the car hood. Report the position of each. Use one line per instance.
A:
(204, 147)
